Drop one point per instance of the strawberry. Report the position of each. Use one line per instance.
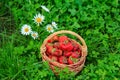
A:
(56, 45)
(70, 61)
(62, 60)
(79, 51)
(56, 52)
(49, 50)
(73, 60)
(49, 45)
(50, 41)
(63, 38)
(75, 45)
(66, 46)
(53, 51)
(55, 38)
(75, 55)
(60, 52)
(67, 54)
(54, 58)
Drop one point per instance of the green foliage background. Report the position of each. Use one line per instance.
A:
(97, 21)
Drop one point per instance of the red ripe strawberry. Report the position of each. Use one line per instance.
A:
(55, 38)
(67, 54)
(56, 45)
(76, 46)
(54, 58)
(75, 55)
(74, 60)
(66, 46)
(49, 45)
(50, 41)
(62, 60)
(56, 52)
(63, 38)
(59, 52)
(53, 51)
(79, 51)
(49, 49)
(70, 61)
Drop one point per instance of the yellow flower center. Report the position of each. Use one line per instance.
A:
(34, 35)
(49, 28)
(26, 29)
(38, 20)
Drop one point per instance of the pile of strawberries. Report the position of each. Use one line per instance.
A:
(63, 50)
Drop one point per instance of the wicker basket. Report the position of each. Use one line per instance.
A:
(77, 67)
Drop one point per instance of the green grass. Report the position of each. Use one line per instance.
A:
(97, 21)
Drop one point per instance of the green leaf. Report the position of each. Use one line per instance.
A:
(72, 11)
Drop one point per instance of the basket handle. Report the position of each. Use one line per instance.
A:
(84, 46)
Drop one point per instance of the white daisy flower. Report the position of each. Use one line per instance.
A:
(49, 28)
(54, 25)
(38, 19)
(34, 35)
(45, 8)
(26, 29)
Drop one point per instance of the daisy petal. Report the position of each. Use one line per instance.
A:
(54, 25)
(26, 29)
(49, 28)
(34, 35)
(45, 8)
(38, 19)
